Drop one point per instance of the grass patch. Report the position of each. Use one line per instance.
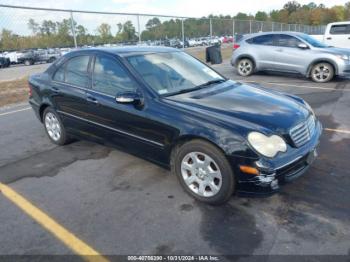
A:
(14, 91)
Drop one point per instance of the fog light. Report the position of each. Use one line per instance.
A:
(249, 170)
(274, 184)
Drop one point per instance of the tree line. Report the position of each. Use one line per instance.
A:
(50, 33)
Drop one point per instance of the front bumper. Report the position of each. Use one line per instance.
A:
(279, 171)
(344, 69)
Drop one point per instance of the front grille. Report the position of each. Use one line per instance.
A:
(302, 133)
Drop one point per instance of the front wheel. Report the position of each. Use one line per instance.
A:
(204, 172)
(322, 72)
(245, 67)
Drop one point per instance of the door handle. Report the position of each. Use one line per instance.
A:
(92, 99)
(329, 38)
(279, 50)
(349, 37)
(55, 89)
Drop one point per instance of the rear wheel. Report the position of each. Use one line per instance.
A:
(245, 67)
(322, 72)
(28, 62)
(204, 172)
(54, 127)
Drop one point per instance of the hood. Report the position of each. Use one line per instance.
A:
(232, 101)
(335, 50)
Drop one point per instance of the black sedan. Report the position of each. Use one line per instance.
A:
(218, 136)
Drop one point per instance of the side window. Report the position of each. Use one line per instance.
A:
(77, 71)
(262, 40)
(59, 75)
(340, 30)
(287, 41)
(110, 78)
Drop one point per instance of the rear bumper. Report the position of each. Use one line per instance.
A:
(275, 173)
(36, 108)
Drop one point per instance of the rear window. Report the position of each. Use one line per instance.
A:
(261, 40)
(340, 30)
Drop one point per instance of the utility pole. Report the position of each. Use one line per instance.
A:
(73, 29)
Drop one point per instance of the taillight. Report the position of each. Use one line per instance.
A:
(235, 46)
(30, 92)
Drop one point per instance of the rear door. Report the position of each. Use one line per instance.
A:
(288, 56)
(68, 90)
(338, 36)
(263, 51)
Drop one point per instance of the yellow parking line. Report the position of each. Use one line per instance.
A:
(68, 238)
(337, 130)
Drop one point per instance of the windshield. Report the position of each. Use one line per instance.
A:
(312, 41)
(173, 72)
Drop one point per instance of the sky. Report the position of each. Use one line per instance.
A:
(16, 20)
(192, 8)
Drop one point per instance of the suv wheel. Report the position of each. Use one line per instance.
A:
(54, 127)
(245, 67)
(204, 172)
(28, 62)
(322, 72)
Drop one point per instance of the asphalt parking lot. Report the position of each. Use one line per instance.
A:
(118, 204)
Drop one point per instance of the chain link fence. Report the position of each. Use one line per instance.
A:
(34, 28)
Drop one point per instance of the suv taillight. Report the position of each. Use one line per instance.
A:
(235, 46)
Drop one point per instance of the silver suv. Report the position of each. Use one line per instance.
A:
(290, 52)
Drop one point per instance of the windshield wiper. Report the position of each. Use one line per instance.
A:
(182, 91)
(215, 81)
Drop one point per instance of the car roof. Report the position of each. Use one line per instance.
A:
(128, 50)
(273, 33)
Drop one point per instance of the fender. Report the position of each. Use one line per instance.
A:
(320, 60)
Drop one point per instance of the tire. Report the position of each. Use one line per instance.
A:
(51, 59)
(204, 172)
(322, 72)
(27, 62)
(54, 127)
(245, 67)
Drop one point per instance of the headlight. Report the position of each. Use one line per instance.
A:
(267, 145)
(309, 107)
(344, 57)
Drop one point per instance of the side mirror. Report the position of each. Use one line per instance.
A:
(303, 46)
(129, 98)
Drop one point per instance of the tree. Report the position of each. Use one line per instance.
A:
(33, 26)
(261, 16)
(153, 23)
(242, 16)
(291, 6)
(104, 31)
(48, 27)
(347, 11)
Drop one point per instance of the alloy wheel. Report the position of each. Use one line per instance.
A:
(53, 126)
(322, 73)
(245, 67)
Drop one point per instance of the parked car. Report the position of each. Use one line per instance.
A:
(336, 34)
(290, 52)
(4, 62)
(217, 135)
(47, 56)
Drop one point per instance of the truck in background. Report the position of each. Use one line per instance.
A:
(336, 34)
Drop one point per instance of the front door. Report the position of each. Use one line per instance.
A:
(121, 124)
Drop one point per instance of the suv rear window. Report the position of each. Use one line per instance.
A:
(261, 40)
(340, 30)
